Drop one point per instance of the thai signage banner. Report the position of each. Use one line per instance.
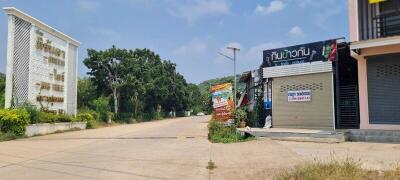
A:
(317, 51)
(222, 99)
(299, 96)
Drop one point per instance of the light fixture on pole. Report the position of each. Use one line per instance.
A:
(234, 49)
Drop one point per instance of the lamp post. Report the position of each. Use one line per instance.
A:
(234, 49)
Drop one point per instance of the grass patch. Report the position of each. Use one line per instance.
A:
(219, 133)
(9, 136)
(346, 169)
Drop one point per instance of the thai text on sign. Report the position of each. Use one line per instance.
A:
(299, 96)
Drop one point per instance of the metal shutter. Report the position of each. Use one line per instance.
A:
(315, 114)
(383, 74)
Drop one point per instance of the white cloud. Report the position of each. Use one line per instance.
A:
(195, 47)
(88, 5)
(201, 8)
(296, 32)
(274, 6)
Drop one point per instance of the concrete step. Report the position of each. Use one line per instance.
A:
(385, 136)
(302, 135)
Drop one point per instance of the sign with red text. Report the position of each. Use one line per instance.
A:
(222, 99)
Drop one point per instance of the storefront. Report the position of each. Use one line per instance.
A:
(303, 83)
(374, 28)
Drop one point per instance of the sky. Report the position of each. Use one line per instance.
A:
(190, 33)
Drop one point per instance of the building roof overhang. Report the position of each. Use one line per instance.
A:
(393, 40)
(18, 13)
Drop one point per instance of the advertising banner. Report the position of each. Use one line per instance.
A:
(317, 51)
(299, 96)
(222, 99)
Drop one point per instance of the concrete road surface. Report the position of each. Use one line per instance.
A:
(168, 149)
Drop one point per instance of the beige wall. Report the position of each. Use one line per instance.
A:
(363, 85)
(353, 20)
(315, 114)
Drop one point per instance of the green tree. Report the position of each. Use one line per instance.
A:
(86, 92)
(106, 70)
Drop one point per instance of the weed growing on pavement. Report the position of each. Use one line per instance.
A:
(211, 165)
(219, 133)
(336, 169)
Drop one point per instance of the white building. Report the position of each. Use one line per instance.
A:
(41, 65)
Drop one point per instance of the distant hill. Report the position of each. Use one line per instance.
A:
(205, 85)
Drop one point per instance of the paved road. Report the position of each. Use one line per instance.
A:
(169, 149)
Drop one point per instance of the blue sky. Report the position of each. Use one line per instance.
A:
(188, 32)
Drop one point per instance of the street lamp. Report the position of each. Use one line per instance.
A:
(234, 49)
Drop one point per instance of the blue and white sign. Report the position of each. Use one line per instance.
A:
(299, 96)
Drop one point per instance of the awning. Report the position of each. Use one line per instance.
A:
(393, 40)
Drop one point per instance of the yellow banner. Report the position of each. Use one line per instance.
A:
(375, 1)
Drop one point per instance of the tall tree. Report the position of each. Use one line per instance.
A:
(106, 70)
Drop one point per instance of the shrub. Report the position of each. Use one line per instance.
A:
(33, 111)
(219, 133)
(125, 117)
(44, 117)
(64, 118)
(94, 114)
(240, 115)
(87, 117)
(102, 108)
(14, 121)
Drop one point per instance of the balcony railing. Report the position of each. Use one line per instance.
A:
(388, 25)
(375, 22)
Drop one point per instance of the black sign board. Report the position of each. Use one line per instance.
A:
(317, 51)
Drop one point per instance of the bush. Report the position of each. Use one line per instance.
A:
(64, 118)
(44, 117)
(219, 133)
(87, 117)
(94, 114)
(14, 121)
(125, 117)
(33, 111)
(240, 115)
(102, 108)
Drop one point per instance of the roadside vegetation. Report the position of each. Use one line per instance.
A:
(135, 85)
(122, 86)
(219, 132)
(335, 169)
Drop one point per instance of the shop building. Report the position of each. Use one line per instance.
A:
(311, 86)
(375, 44)
(41, 65)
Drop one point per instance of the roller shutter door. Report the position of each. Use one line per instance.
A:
(315, 114)
(383, 73)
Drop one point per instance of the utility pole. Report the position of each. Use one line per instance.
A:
(234, 49)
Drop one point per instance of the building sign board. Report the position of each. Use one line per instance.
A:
(317, 51)
(41, 65)
(222, 99)
(299, 96)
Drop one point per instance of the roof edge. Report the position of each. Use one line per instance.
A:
(20, 14)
